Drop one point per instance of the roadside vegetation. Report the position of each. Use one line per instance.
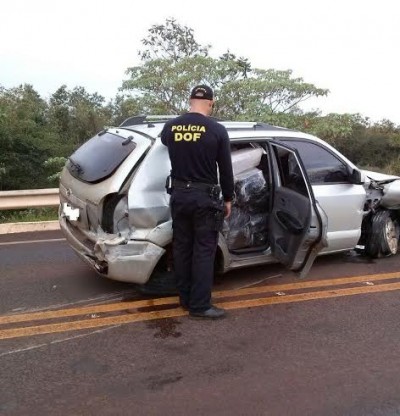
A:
(37, 134)
(29, 215)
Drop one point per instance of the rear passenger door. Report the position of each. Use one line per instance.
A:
(298, 224)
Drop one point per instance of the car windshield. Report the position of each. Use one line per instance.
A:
(99, 157)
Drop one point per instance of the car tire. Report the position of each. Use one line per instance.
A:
(159, 284)
(383, 238)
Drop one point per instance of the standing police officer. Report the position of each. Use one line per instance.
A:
(196, 145)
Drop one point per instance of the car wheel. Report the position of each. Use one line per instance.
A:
(390, 242)
(383, 239)
(159, 284)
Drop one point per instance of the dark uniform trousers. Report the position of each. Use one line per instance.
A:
(196, 220)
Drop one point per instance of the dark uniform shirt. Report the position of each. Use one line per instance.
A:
(196, 144)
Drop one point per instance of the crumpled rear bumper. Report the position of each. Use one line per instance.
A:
(115, 258)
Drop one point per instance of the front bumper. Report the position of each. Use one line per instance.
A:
(127, 261)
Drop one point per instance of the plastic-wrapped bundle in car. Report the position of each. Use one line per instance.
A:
(259, 222)
(247, 226)
(245, 159)
(244, 229)
(259, 229)
(259, 239)
(251, 190)
(237, 232)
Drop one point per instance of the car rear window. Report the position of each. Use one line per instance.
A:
(99, 157)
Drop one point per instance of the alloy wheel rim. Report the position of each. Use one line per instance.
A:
(392, 238)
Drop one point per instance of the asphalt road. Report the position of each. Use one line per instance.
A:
(72, 343)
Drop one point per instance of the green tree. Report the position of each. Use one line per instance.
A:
(162, 86)
(53, 167)
(123, 107)
(76, 115)
(264, 93)
(26, 139)
(243, 63)
(171, 41)
(374, 145)
(36, 134)
(174, 61)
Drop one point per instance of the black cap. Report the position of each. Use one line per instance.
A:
(202, 92)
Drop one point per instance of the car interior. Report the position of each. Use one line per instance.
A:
(246, 230)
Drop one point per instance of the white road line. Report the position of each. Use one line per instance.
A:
(58, 341)
(13, 243)
(33, 347)
(257, 282)
(92, 301)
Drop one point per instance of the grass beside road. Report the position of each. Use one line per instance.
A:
(29, 215)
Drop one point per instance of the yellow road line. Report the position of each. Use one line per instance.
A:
(307, 284)
(89, 323)
(87, 310)
(120, 306)
(146, 316)
(300, 297)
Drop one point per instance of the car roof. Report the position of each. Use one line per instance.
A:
(238, 131)
(152, 125)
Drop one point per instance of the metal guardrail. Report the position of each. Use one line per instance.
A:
(34, 198)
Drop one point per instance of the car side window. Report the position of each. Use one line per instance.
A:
(289, 171)
(321, 165)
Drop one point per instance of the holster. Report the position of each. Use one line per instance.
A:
(168, 185)
(215, 192)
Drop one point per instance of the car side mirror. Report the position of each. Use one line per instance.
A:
(356, 177)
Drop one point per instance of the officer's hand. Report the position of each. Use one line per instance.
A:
(228, 208)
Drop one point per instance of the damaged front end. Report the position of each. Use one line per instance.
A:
(381, 224)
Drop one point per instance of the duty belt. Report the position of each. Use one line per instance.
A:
(196, 185)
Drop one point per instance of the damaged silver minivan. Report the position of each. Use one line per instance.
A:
(296, 197)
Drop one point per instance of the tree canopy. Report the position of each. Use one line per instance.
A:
(173, 62)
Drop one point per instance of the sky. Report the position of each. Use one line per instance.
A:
(350, 47)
